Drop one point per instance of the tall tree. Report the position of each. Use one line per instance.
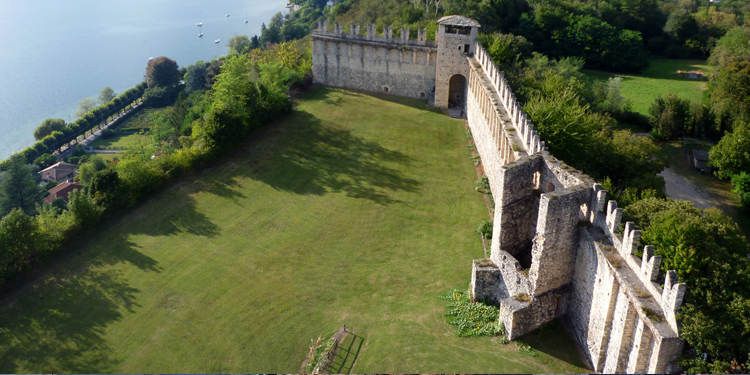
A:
(19, 188)
(731, 155)
(195, 77)
(48, 126)
(84, 106)
(239, 44)
(106, 95)
(162, 71)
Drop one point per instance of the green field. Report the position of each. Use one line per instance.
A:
(658, 80)
(143, 119)
(354, 209)
(122, 141)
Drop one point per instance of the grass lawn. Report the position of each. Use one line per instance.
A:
(121, 141)
(143, 119)
(354, 209)
(109, 157)
(658, 80)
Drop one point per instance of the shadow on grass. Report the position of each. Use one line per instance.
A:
(324, 94)
(311, 158)
(554, 340)
(59, 325)
(346, 354)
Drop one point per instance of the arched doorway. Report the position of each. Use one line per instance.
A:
(457, 91)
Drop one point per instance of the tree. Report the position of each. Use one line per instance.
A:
(45, 160)
(502, 15)
(277, 20)
(84, 106)
(731, 155)
(195, 77)
(741, 184)
(48, 126)
(270, 35)
(104, 187)
(239, 44)
(508, 51)
(106, 95)
(85, 211)
(162, 71)
(88, 169)
(681, 25)
(19, 242)
(709, 254)
(732, 90)
(19, 189)
(668, 116)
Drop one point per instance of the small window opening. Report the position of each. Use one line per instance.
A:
(385, 89)
(422, 94)
(466, 49)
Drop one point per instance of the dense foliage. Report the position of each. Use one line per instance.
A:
(248, 91)
(709, 254)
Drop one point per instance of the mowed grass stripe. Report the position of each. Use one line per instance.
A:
(354, 209)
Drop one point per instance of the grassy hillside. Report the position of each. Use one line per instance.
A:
(660, 79)
(354, 209)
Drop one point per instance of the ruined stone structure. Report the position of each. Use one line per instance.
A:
(558, 249)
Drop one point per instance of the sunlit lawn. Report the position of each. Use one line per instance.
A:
(659, 80)
(354, 209)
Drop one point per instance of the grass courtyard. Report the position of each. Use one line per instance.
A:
(659, 79)
(354, 209)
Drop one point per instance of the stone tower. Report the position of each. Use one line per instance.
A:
(456, 39)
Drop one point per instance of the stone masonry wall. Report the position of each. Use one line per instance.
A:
(580, 266)
(556, 250)
(375, 63)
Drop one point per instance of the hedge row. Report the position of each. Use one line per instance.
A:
(74, 129)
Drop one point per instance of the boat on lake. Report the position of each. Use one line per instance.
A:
(199, 24)
(217, 40)
(200, 35)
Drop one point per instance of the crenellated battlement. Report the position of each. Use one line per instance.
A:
(531, 141)
(371, 34)
(646, 267)
(559, 248)
(559, 241)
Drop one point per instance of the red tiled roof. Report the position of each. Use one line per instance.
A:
(62, 191)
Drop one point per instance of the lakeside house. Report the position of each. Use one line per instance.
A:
(62, 191)
(58, 172)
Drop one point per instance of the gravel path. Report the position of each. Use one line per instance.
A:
(679, 187)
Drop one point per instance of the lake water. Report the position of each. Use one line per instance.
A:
(54, 53)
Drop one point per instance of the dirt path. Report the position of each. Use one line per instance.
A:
(680, 188)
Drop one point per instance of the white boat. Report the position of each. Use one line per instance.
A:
(150, 58)
(199, 24)
(227, 15)
(200, 35)
(217, 40)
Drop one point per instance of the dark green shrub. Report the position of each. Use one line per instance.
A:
(485, 229)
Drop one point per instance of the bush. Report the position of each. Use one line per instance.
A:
(472, 318)
(485, 229)
(741, 183)
(108, 133)
(668, 116)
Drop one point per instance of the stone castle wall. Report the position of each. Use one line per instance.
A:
(556, 251)
(376, 63)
